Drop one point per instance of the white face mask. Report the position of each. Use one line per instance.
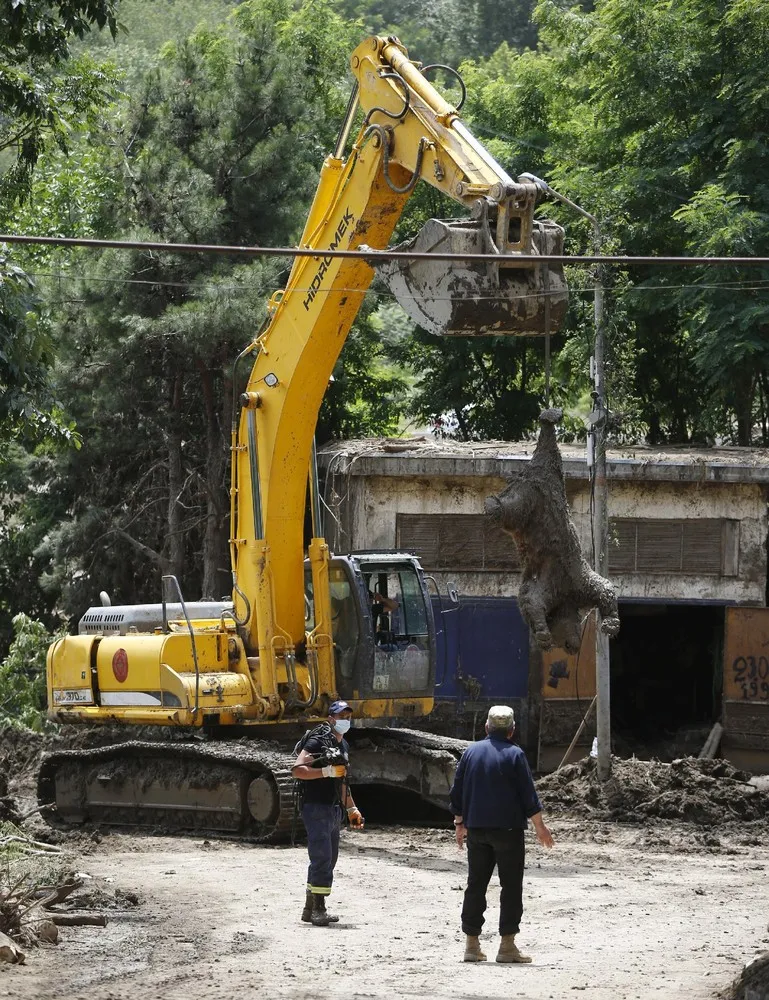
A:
(341, 726)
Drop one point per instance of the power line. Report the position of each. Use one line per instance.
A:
(371, 255)
(738, 286)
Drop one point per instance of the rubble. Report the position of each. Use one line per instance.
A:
(703, 792)
(37, 892)
(38, 896)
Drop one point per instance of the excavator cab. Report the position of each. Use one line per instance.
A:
(382, 626)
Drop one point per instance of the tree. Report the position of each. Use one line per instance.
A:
(44, 96)
(656, 119)
(45, 99)
(222, 144)
(22, 675)
(447, 31)
(25, 355)
(649, 115)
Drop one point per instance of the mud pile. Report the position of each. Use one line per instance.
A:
(21, 750)
(8, 808)
(705, 792)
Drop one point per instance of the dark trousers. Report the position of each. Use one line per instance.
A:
(487, 849)
(322, 823)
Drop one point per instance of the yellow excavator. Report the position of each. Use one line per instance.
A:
(305, 627)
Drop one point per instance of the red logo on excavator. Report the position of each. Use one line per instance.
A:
(120, 665)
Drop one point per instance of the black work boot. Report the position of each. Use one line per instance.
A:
(320, 917)
(307, 911)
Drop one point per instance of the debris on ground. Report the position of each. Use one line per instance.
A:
(753, 981)
(704, 792)
(38, 895)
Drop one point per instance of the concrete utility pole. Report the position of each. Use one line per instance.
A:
(600, 511)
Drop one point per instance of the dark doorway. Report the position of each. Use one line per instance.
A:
(391, 806)
(666, 678)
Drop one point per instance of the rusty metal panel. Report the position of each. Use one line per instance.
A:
(571, 676)
(746, 684)
(746, 655)
(746, 725)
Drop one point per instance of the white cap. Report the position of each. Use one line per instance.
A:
(501, 717)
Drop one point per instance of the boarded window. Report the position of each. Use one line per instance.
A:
(457, 542)
(696, 547)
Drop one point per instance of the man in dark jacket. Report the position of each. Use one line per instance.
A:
(321, 766)
(492, 798)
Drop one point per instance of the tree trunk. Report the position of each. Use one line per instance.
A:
(174, 543)
(743, 406)
(217, 581)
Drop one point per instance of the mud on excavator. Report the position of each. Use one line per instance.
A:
(301, 629)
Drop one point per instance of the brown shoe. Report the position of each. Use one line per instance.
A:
(508, 951)
(473, 951)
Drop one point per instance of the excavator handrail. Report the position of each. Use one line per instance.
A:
(170, 576)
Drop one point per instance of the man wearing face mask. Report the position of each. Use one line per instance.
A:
(322, 768)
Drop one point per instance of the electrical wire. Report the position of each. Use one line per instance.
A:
(370, 255)
(746, 286)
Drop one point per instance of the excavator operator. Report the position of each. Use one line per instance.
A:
(321, 766)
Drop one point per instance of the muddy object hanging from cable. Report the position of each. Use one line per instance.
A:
(557, 585)
(481, 298)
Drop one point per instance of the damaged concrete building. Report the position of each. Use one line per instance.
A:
(688, 556)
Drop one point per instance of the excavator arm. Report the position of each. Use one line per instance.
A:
(408, 132)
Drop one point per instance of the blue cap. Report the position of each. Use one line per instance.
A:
(337, 707)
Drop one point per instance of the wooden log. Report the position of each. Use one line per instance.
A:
(78, 919)
(35, 846)
(10, 951)
(712, 743)
(578, 733)
(59, 893)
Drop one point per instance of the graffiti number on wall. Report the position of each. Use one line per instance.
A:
(752, 676)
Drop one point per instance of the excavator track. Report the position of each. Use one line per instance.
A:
(407, 759)
(235, 789)
(242, 789)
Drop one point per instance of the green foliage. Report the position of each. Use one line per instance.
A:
(147, 28)
(369, 393)
(45, 96)
(25, 519)
(667, 145)
(28, 409)
(22, 675)
(474, 388)
(648, 115)
(221, 143)
(446, 31)
(71, 194)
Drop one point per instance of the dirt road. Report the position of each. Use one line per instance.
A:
(612, 913)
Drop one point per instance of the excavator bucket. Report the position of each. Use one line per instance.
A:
(514, 297)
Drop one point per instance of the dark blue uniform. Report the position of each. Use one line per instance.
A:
(322, 813)
(494, 793)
